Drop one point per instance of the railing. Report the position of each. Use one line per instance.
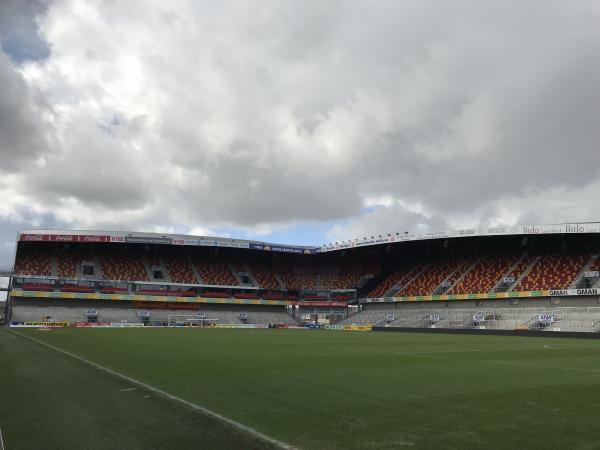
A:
(131, 287)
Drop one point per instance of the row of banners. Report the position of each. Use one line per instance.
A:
(173, 299)
(149, 238)
(173, 239)
(236, 301)
(565, 228)
(486, 296)
(349, 327)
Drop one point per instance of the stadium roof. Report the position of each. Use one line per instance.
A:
(181, 239)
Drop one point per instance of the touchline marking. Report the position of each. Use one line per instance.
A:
(433, 352)
(201, 409)
(1, 440)
(538, 366)
(548, 346)
(126, 390)
(512, 363)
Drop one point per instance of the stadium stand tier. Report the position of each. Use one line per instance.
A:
(308, 284)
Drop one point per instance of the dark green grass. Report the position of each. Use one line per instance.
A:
(312, 389)
(52, 401)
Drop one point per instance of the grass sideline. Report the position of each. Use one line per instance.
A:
(313, 389)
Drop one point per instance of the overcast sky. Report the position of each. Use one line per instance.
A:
(297, 121)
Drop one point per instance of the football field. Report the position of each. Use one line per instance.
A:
(255, 389)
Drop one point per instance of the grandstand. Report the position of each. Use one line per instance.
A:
(511, 274)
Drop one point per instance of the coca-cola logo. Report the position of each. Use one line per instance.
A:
(92, 238)
(64, 238)
(32, 237)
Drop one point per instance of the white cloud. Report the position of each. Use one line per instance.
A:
(258, 115)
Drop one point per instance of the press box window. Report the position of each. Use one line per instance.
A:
(87, 269)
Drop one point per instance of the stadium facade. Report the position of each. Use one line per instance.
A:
(543, 277)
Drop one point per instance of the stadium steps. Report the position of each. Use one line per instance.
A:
(364, 279)
(400, 283)
(499, 286)
(165, 270)
(373, 282)
(441, 289)
(163, 267)
(581, 276)
(194, 269)
(235, 274)
(460, 278)
(53, 266)
(410, 276)
(526, 272)
(147, 268)
(97, 266)
(279, 280)
(244, 267)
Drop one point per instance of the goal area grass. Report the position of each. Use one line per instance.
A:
(307, 389)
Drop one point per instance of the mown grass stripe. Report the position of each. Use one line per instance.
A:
(164, 394)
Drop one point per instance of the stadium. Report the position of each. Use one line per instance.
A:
(202, 335)
(308, 225)
(539, 277)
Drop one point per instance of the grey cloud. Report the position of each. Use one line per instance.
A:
(244, 113)
(18, 29)
(22, 133)
(542, 91)
(96, 166)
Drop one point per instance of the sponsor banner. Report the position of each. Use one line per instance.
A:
(63, 238)
(281, 248)
(377, 300)
(238, 325)
(574, 292)
(91, 325)
(146, 298)
(125, 325)
(93, 238)
(567, 228)
(34, 237)
(478, 296)
(545, 318)
(349, 327)
(323, 303)
(147, 240)
(51, 324)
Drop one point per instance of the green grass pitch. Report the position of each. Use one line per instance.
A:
(310, 389)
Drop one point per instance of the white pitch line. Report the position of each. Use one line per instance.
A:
(538, 366)
(198, 408)
(548, 346)
(435, 352)
(1, 440)
(127, 390)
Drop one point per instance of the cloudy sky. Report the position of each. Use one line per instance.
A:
(297, 121)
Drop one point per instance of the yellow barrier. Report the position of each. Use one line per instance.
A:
(47, 324)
